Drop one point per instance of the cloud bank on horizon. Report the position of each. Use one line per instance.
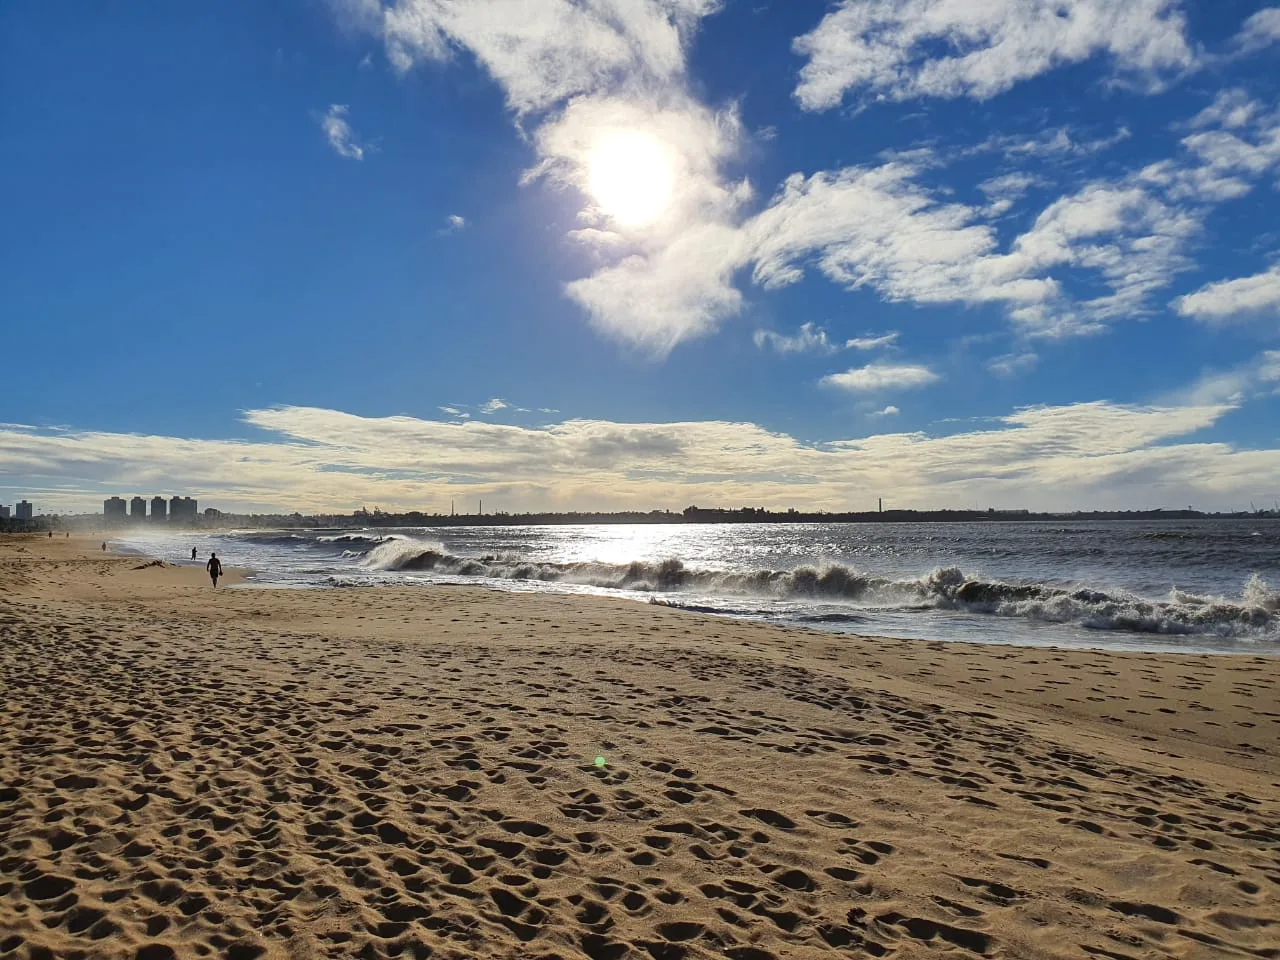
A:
(1077, 456)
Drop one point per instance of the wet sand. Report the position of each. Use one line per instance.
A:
(413, 773)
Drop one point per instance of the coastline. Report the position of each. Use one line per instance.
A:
(412, 771)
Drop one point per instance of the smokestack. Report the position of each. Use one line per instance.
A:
(881, 504)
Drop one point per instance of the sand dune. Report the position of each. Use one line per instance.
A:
(414, 773)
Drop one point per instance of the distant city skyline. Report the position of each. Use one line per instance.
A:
(177, 509)
(400, 252)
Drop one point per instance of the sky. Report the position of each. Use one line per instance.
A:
(641, 254)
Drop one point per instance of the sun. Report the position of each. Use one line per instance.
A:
(630, 177)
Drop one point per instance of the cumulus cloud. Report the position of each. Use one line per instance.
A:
(1230, 110)
(889, 411)
(1259, 31)
(883, 228)
(1233, 301)
(1083, 454)
(338, 130)
(882, 376)
(544, 52)
(1131, 237)
(904, 49)
(579, 75)
(493, 405)
(453, 223)
(879, 227)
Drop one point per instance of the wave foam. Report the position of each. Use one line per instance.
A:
(946, 588)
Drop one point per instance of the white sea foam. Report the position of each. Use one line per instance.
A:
(945, 588)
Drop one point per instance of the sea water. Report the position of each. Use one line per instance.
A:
(1193, 586)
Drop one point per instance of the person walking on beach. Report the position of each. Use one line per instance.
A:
(193, 553)
(214, 566)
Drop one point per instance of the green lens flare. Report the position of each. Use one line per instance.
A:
(600, 762)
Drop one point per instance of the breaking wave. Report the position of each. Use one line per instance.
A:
(1255, 613)
(354, 538)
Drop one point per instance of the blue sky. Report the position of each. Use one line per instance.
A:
(641, 253)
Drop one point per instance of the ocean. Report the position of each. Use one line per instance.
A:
(1191, 586)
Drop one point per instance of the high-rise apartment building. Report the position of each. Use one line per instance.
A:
(114, 510)
(137, 509)
(4, 513)
(23, 510)
(159, 509)
(182, 510)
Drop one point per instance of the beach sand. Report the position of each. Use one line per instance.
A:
(413, 772)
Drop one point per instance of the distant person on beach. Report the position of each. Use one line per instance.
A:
(214, 566)
(193, 553)
(104, 546)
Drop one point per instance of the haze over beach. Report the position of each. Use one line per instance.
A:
(669, 479)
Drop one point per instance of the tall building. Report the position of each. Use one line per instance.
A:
(159, 509)
(113, 510)
(137, 509)
(182, 510)
(4, 513)
(23, 510)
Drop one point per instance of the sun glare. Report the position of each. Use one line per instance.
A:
(630, 177)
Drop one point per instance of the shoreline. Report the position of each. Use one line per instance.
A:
(1001, 629)
(411, 772)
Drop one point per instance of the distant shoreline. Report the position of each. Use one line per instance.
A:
(693, 515)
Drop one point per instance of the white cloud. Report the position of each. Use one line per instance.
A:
(1231, 301)
(813, 339)
(453, 223)
(493, 405)
(577, 73)
(1260, 31)
(878, 227)
(1085, 454)
(882, 376)
(1013, 364)
(889, 411)
(454, 412)
(1004, 191)
(881, 228)
(1230, 109)
(872, 341)
(1132, 238)
(903, 49)
(1058, 143)
(544, 52)
(1259, 376)
(338, 130)
(580, 72)
(808, 339)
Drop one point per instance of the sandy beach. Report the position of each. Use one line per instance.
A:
(459, 772)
